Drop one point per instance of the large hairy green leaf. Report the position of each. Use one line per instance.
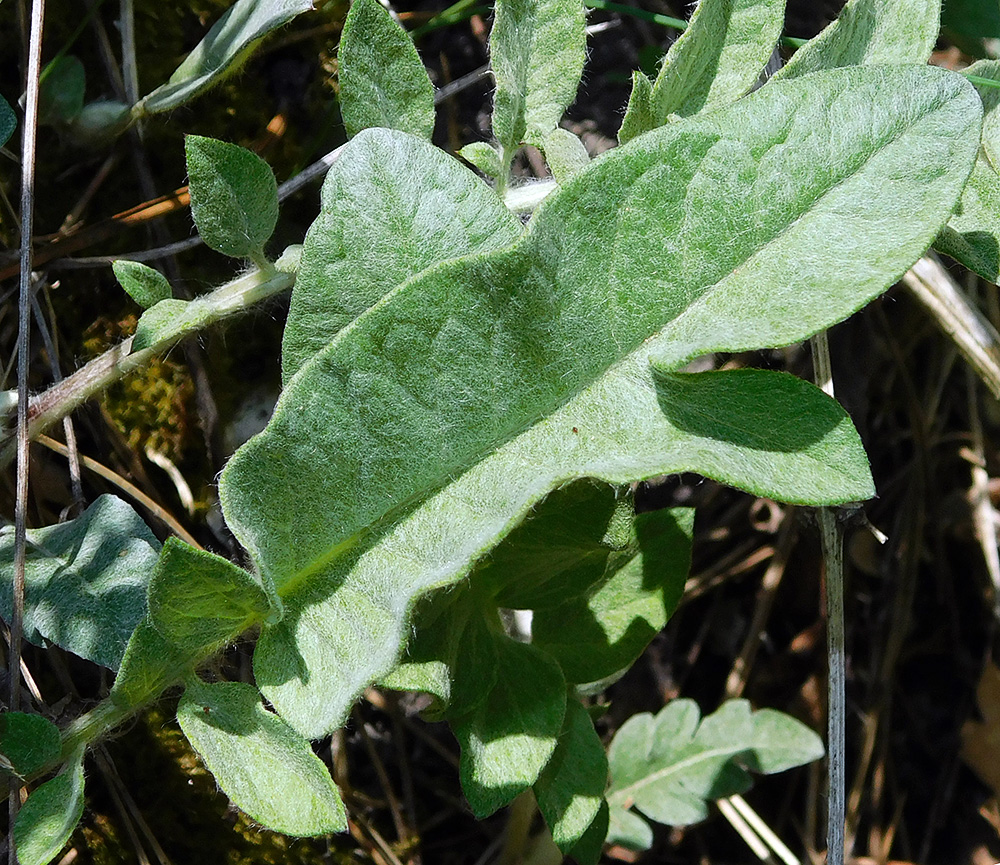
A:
(868, 33)
(382, 81)
(50, 815)
(537, 50)
(85, 580)
(391, 206)
(428, 428)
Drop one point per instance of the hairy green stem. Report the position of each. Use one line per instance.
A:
(237, 296)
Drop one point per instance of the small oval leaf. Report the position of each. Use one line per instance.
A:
(145, 286)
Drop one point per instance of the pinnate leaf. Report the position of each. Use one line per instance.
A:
(530, 366)
(870, 32)
(382, 80)
(145, 286)
(49, 816)
(392, 206)
(85, 580)
(718, 58)
(667, 766)
(234, 196)
(537, 51)
(27, 742)
(265, 767)
(231, 38)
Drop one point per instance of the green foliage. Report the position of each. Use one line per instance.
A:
(234, 196)
(537, 51)
(47, 819)
(147, 287)
(264, 766)
(231, 38)
(27, 743)
(61, 90)
(382, 81)
(870, 32)
(668, 765)
(85, 580)
(8, 121)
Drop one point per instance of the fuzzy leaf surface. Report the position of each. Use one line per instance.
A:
(667, 766)
(49, 816)
(510, 737)
(531, 366)
(537, 49)
(85, 580)
(868, 33)
(718, 58)
(146, 286)
(198, 600)
(229, 40)
(267, 769)
(382, 79)
(639, 111)
(570, 790)
(27, 742)
(391, 206)
(565, 154)
(8, 121)
(234, 196)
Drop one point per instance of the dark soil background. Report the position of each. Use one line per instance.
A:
(920, 608)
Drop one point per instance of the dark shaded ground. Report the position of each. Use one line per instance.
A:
(920, 622)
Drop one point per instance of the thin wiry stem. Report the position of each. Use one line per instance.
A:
(23, 344)
(832, 541)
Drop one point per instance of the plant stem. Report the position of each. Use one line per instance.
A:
(60, 399)
(831, 539)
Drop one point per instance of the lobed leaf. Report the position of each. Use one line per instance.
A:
(85, 580)
(268, 770)
(230, 38)
(147, 287)
(392, 206)
(869, 33)
(27, 742)
(234, 196)
(382, 79)
(668, 765)
(49, 816)
(198, 600)
(528, 367)
(717, 59)
(537, 49)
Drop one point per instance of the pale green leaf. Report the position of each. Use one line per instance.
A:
(8, 121)
(27, 742)
(595, 635)
(159, 322)
(234, 196)
(229, 40)
(267, 769)
(570, 790)
(61, 90)
(627, 829)
(639, 112)
(484, 157)
(508, 739)
(528, 367)
(990, 95)
(85, 580)
(49, 816)
(868, 33)
(565, 154)
(150, 665)
(718, 58)
(392, 205)
(667, 766)
(147, 287)
(198, 600)
(537, 50)
(382, 80)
